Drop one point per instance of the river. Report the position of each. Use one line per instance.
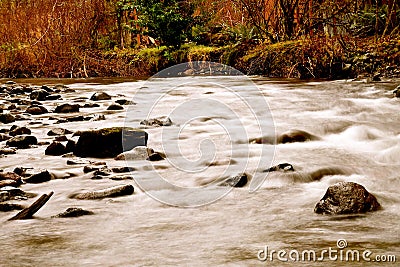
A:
(166, 224)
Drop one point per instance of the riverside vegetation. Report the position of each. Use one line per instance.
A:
(276, 38)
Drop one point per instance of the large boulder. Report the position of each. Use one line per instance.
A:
(347, 198)
(109, 142)
(22, 141)
(55, 149)
(39, 95)
(16, 130)
(7, 118)
(40, 177)
(36, 110)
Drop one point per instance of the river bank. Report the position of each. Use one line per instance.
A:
(306, 58)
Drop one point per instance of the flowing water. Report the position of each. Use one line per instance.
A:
(359, 136)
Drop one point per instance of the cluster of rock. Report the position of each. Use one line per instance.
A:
(22, 102)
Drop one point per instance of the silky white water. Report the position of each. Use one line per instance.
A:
(359, 130)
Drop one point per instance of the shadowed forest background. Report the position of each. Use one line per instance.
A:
(277, 38)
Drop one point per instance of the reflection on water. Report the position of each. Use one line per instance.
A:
(359, 140)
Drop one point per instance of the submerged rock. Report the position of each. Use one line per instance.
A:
(36, 110)
(39, 95)
(41, 177)
(116, 191)
(157, 122)
(16, 130)
(73, 212)
(55, 149)
(108, 142)
(58, 131)
(236, 181)
(156, 156)
(7, 118)
(137, 153)
(67, 108)
(22, 141)
(284, 167)
(396, 91)
(347, 198)
(10, 207)
(293, 136)
(100, 96)
(115, 107)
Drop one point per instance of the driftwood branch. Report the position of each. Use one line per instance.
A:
(32, 209)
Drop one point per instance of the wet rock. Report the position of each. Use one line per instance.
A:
(36, 110)
(77, 162)
(67, 108)
(60, 87)
(4, 176)
(122, 169)
(22, 141)
(124, 102)
(13, 183)
(39, 95)
(92, 168)
(61, 138)
(73, 212)
(16, 130)
(100, 96)
(116, 191)
(53, 97)
(157, 122)
(41, 177)
(12, 193)
(283, 167)
(58, 131)
(70, 147)
(91, 105)
(55, 149)
(22, 171)
(347, 198)
(106, 143)
(115, 107)
(156, 156)
(7, 151)
(4, 137)
(47, 88)
(10, 83)
(236, 181)
(5, 207)
(293, 136)
(396, 91)
(7, 118)
(137, 153)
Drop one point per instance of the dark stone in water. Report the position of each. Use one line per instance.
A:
(5, 207)
(16, 130)
(7, 151)
(36, 110)
(124, 102)
(41, 177)
(39, 95)
(396, 91)
(10, 176)
(58, 131)
(285, 167)
(67, 108)
(116, 191)
(293, 136)
(236, 181)
(4, 137)
(156, 156)
(122, 169)
(22, 141)
(100, 96)
(115, 107)
(55, 149)
(7, 118)
(61, 138)
(4, 183)
(70, 147)
(347, 198)
(91, 105)
(157, 122)
(53, 97)
(107, 143)
(73, 212)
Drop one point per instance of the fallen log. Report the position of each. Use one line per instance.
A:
(27, 213)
